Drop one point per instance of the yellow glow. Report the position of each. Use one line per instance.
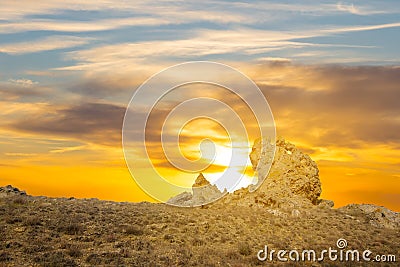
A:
(70, 165)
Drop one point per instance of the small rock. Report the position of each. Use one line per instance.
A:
(295, 213)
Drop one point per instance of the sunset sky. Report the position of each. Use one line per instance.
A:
(68, 69)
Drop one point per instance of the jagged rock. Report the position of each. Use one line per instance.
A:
(181, 198)
(292, 172)
(203, 193)
(9, 189)
(377, 216)
(292, 183)
(324, 203)
(200, 181)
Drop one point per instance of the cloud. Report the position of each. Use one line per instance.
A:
(208, 43)
(348, 8)
(46, 44)
(25, 8)
(60, 150)
(345, 106)
(361, 28)
(72, 26)
(16, 89)
(23, 82)
(334, 105)
(361, 10)
(107, 84)
(91, 122)
(20, 154)
(143, 13)
(204, 43)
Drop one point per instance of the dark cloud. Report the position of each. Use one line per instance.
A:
(13, 91)
(92, 122)
(358, 104)
(109, 85)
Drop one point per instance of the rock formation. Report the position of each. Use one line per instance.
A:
(203, 193)
(292, 183)
(377, 216)
(7, 190)
(291, 188)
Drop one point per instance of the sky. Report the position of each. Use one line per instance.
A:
(68, 69)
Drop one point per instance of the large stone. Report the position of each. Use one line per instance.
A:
(288, 181)
(202, 193)
(292, 172)
(292, 182)
(9, 189)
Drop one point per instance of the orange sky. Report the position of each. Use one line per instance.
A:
(329, 70)
(346, 118)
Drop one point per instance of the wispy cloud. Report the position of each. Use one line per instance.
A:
(15, 89)
(45, 44)
(347, 8)
(142, 15)
(59, 150)
(361, 28)
(23, 82)
(73, 26)
(243, 41)
(12, 154)
(360, 10)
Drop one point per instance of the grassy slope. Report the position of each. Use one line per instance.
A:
(68, 232)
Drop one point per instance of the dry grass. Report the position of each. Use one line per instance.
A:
(71, 232)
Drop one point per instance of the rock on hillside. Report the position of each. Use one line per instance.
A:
(292, 183)
(203, 193)
(376, 215)
(9, 189)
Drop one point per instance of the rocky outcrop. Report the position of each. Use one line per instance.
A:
(376, 215)
(292, 183)
(202, 193)
(7, 190)
(293, 173)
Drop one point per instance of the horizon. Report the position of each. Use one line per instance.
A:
(330, 73)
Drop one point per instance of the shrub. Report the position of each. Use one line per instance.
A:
(244, 249)
(71, 228)
(133, 230)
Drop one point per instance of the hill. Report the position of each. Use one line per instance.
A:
(285, 213)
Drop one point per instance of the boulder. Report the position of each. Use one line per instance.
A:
(202, 193)
(292, 182)
(288, 181)
(7, 190)
(292, 173)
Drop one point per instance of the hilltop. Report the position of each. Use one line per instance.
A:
(286, 212)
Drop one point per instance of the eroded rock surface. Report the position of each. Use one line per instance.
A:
(292, 183)
(376, 215)
(9, 189)
(291, 189)
(203, 193)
